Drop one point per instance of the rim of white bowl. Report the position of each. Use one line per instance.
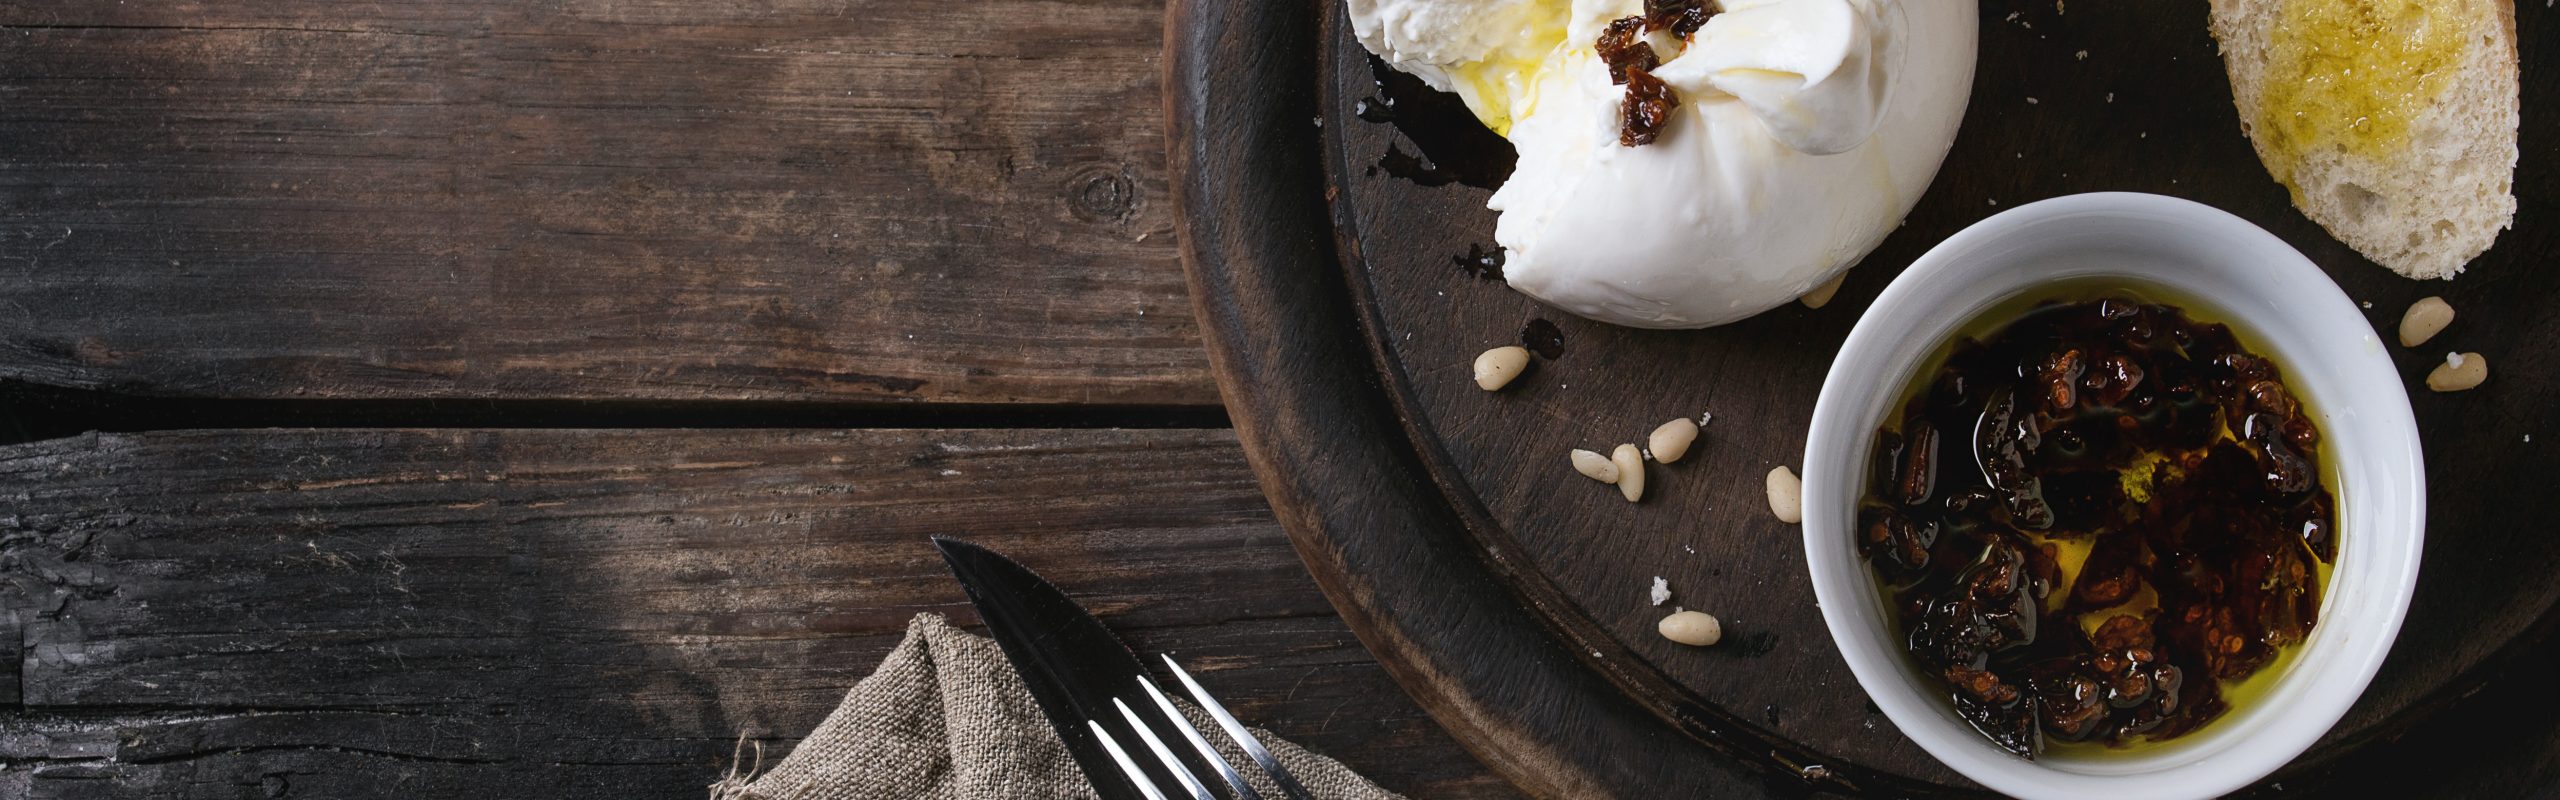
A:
(2381, 523)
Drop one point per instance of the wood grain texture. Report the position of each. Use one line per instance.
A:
(2114, 96)
(443, 613)
(795, 200)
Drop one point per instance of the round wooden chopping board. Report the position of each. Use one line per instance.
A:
(1330, 264)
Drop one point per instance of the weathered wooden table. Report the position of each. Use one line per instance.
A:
(454, 397)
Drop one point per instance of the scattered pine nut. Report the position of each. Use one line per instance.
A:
(1595, 466)
(1496, 367)
(1694, 628)
(2458, 372)
(1786, 495)
(2425, 319)
(1671, 441)
(1821, 295)
(1630, 464)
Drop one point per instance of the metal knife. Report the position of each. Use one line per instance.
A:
(1073, 666)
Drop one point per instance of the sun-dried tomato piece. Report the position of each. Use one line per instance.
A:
(1981, 685)
(1889, 538)
(1915, 478)
(2059, 377)
(2071, 706)
(1682, 18)
(1622, 47)
(1646, 110)
(2113, 380)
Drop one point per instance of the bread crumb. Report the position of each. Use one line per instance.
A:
(1661, 590)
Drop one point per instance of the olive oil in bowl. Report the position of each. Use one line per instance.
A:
(2101, 521)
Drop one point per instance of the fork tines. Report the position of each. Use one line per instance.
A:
(1164, 756)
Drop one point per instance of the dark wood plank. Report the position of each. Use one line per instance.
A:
(2148, 110)
(761, 200)
(343, 613)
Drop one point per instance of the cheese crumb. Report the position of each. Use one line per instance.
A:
(1661, 590)
(2453, 360)
(2082, 55)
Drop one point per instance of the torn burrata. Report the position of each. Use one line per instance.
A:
(1803, 132)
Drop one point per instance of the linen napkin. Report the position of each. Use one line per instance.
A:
(944, 717)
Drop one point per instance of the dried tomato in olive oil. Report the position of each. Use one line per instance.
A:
(2096, 520)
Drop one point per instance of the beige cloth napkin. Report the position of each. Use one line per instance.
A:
(945, 717)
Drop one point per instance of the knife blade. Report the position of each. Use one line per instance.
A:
(1074, 667)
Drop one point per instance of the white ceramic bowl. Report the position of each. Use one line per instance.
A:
(2226, 270)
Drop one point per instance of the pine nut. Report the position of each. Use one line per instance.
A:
(1694, 628)
(1595, 466)
(1496, 367)
(1671, 441)
(2425, 319)
(1786, 496)
(2458, 372)
(1821, 295)
(1630, 464)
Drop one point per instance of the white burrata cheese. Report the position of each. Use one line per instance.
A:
(1488, 52)
(1806, 130)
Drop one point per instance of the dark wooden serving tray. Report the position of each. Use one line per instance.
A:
(1508, 594)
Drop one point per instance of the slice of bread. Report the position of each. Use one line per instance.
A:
(2434, 189)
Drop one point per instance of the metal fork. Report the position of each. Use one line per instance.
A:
(1191, 785)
